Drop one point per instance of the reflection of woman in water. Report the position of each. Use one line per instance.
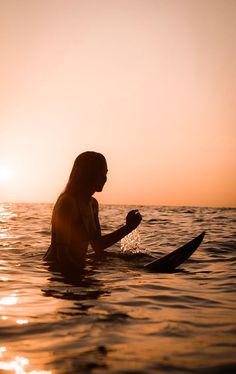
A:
(75, 221)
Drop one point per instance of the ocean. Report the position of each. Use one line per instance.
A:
(117, 317)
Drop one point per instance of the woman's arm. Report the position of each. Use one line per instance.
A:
(100, 243)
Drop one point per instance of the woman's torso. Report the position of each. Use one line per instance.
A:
(70, 249)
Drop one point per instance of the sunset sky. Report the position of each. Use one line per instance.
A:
(149, 83)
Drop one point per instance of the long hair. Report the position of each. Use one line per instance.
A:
(84, 171)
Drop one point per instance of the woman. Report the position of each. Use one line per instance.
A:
(75, 221)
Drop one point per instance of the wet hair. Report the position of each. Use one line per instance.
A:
(85, 170)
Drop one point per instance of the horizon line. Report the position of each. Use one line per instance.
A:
(131, 204)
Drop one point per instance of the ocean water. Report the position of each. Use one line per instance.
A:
(117, 317)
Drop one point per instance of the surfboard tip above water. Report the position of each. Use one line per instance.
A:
(172, 260)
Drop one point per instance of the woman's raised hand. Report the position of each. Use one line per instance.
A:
(133, 219)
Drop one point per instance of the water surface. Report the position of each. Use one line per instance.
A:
(117, 317)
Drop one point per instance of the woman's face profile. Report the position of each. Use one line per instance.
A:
(101, 177)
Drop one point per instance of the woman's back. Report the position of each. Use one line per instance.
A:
(69, 236)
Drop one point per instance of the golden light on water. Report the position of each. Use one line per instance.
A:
(17, 365)
(4, 279)
(22, 321)
(9, 300)
(14, 364)
(5, 214)
(2, 349)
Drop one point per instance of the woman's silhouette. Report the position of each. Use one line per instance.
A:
(75, 221)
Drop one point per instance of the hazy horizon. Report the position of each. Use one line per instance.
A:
(120, 204)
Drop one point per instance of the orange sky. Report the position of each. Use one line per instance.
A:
(151, 84)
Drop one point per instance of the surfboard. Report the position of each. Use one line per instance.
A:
(172, 260)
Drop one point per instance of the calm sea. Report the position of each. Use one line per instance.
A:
(117, 317)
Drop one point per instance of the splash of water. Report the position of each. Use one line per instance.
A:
(131, 242)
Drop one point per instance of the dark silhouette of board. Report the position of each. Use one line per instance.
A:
(171, 261)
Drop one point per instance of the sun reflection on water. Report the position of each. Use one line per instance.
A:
(22, 321)
(4, 279)
(9, 300)
(6, 215)
(17, 365)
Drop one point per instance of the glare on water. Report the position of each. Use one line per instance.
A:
(18, 365)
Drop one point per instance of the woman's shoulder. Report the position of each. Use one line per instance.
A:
(65, 203)
(94, 203)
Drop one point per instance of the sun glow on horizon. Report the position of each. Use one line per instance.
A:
(5, 173)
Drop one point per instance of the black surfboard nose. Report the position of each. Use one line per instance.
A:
(201, 236)
(175, 258)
